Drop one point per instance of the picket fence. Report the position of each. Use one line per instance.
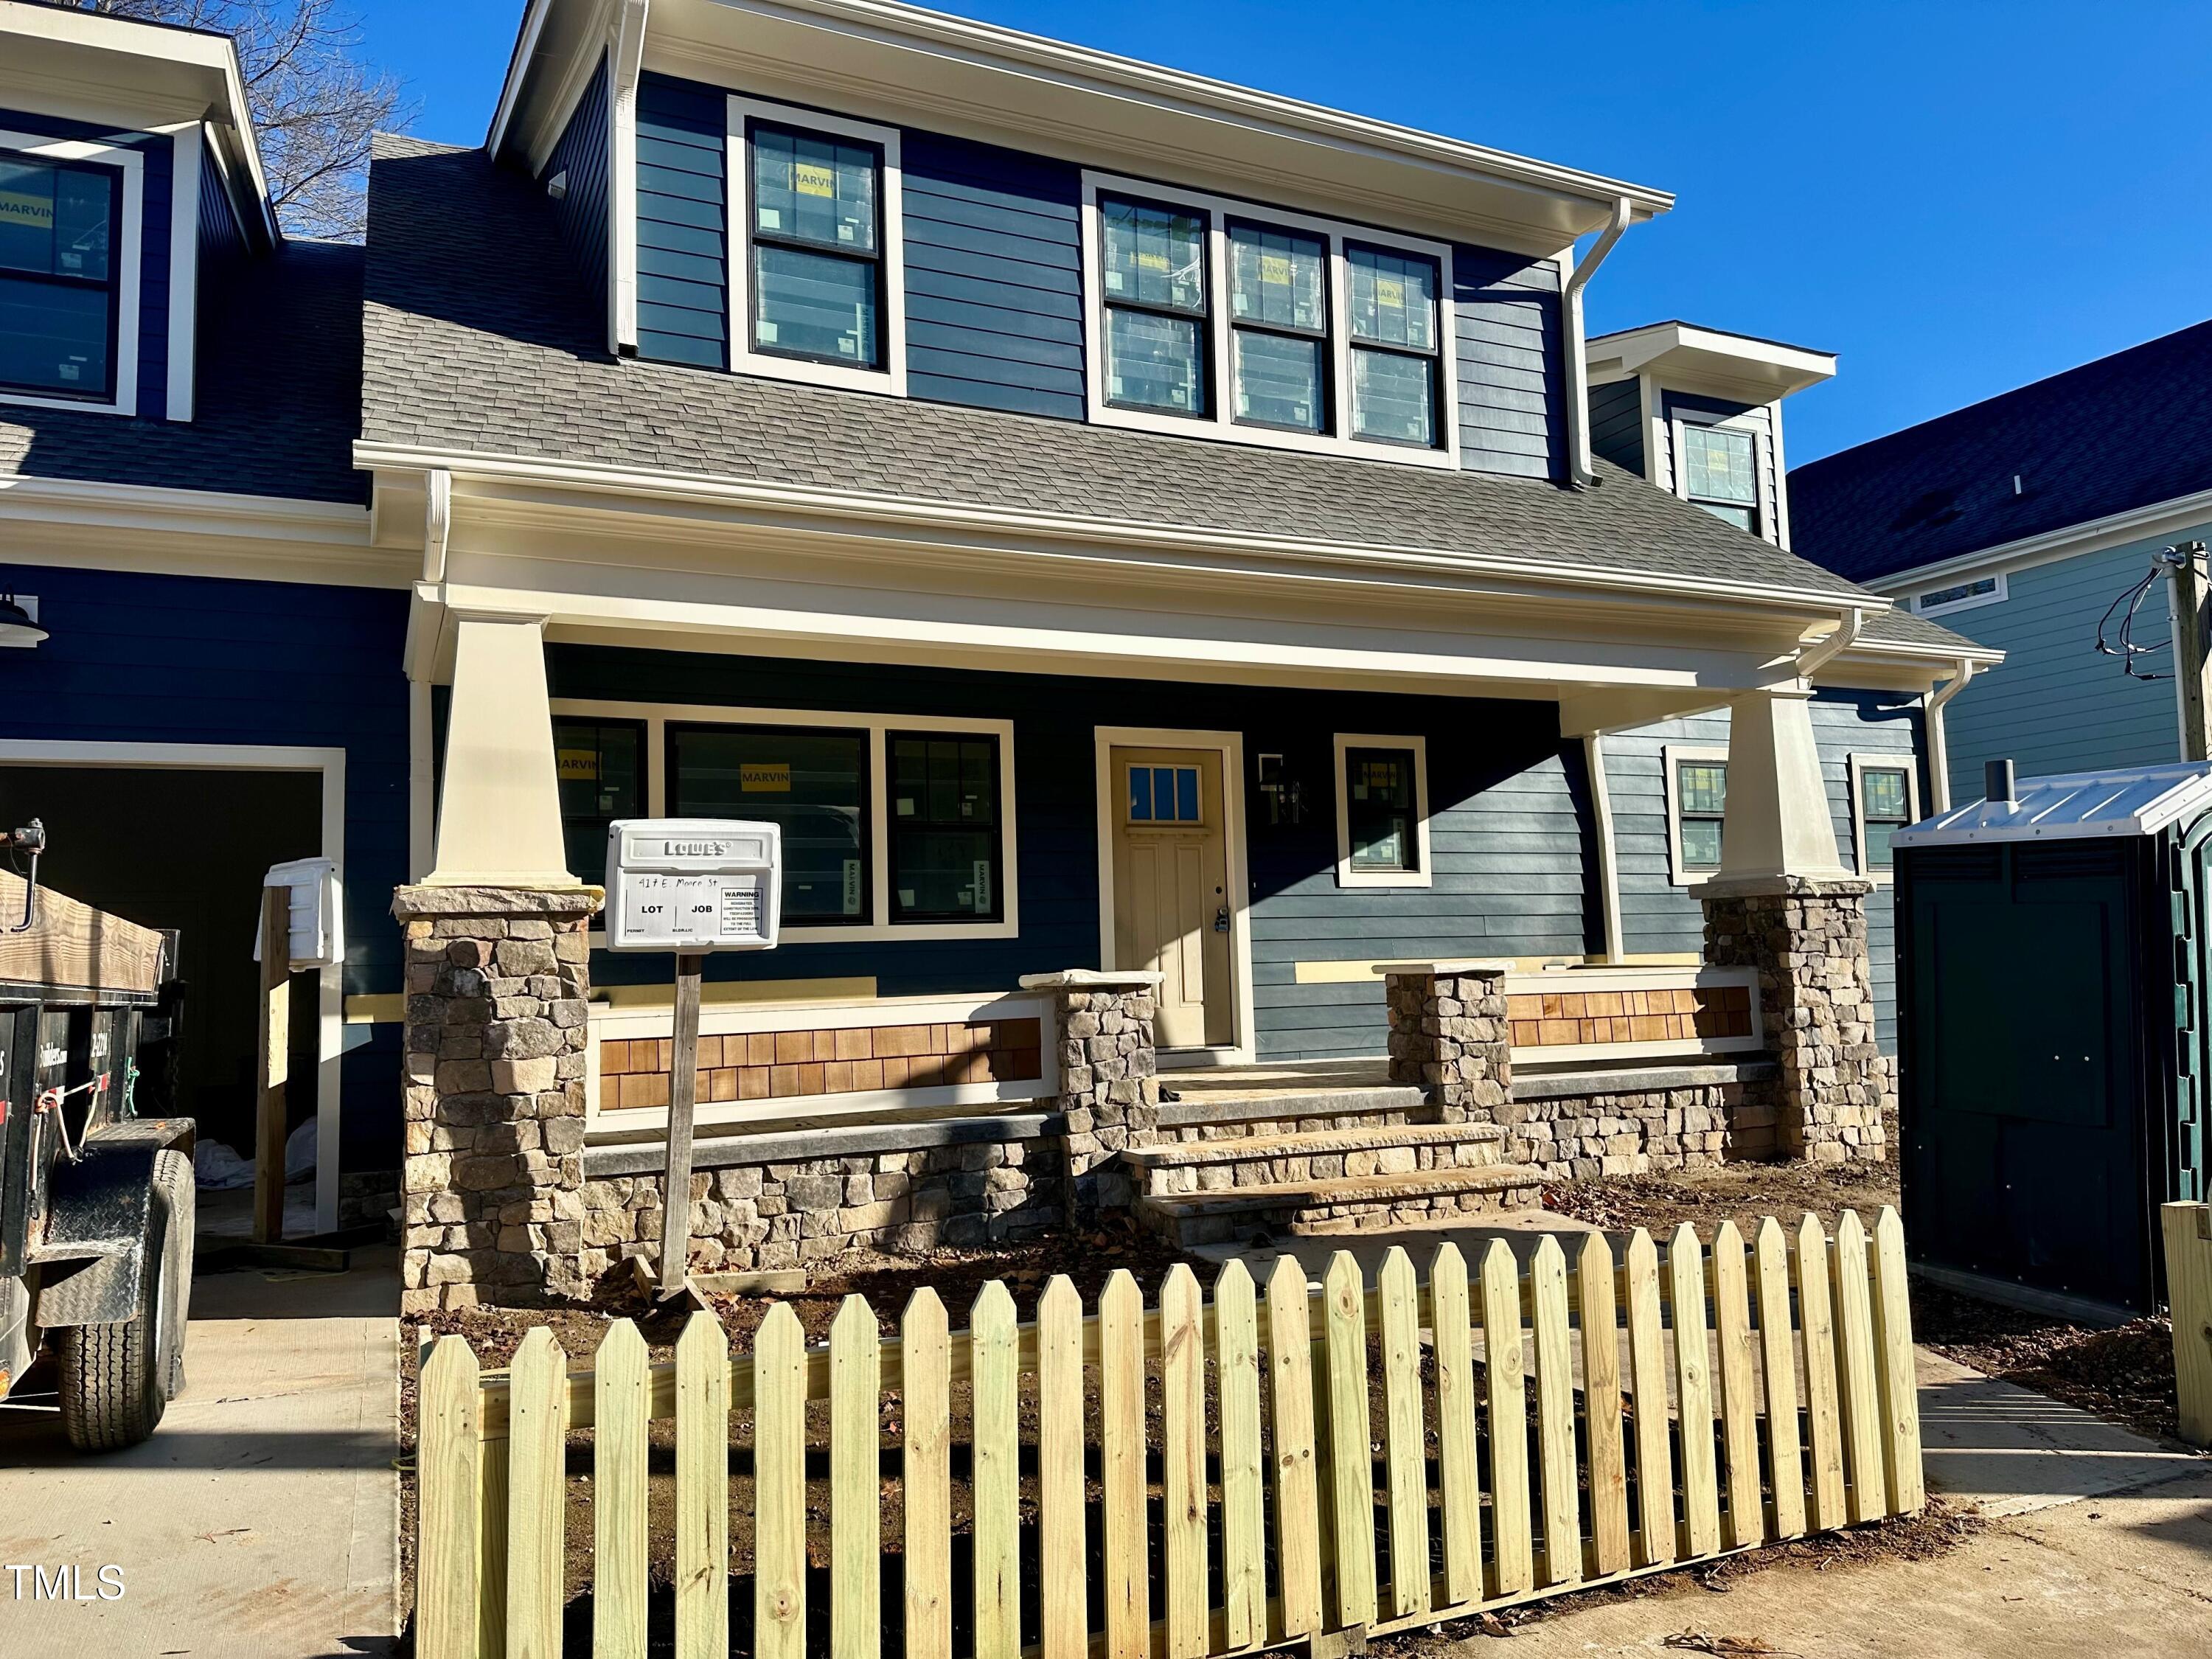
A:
(1375, 1490)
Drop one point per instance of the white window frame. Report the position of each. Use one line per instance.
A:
(1761, 466)
(1970, 602)
(878, 926)
(891, 379)
(1670, 756)
(1220, 425)
(132, 217)
(1860, 765)
(1346, 875)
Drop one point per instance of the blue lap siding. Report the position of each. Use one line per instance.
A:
(1514, 859)
(682, 282)
(1617, 424)
(189, 659)
(580, 159)
(1508, 370)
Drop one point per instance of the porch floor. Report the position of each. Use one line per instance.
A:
(1297, 1077)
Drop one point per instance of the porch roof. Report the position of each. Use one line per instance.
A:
(472, 351)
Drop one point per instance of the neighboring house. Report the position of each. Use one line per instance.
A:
(2017, 521)
(1139, 538)
(179, 389)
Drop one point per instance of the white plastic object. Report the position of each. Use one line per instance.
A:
(693, 885)
(318, 912)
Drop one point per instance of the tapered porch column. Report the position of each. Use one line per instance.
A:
(498, 980)
(499, 819)
(1782, 903)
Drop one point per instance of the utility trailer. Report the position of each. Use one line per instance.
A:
(96, 1202)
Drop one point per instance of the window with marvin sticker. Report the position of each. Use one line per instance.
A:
(1885, 798)
(601, 765)
(944, 837)
(817, 254)
(1719, 473)
(1164, 794)
(1153, 266)
(1395, 358)
(813, 783)
(58, 277)
(1278, 327)
(1699, 797)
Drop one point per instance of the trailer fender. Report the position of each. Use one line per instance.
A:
(85, 1270)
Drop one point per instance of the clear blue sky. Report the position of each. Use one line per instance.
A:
(1955, 196)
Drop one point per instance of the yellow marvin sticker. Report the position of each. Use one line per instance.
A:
(812, 178)
(1151, 261)
(579, 765)
(20, 208)
(1275, 268)
(765, 778)
(1389, 291)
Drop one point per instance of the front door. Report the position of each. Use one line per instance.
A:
(1171, 888)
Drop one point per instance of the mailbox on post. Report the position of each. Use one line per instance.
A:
(693, 885)
(689, 886)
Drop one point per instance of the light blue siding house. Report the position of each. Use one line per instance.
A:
(2020, 521)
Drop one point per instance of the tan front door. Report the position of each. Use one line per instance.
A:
(1171, 888)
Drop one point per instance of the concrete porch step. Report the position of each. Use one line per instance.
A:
(1215, 1107)
(1224, 1162)
(1352, 1204)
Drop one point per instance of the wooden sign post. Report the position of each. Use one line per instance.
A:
(272, 1064)
(676, 1209)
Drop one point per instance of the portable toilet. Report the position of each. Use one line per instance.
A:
(2054, 1031)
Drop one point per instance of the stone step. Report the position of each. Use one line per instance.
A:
(1209, 1107)
(1354, 1204)
(1227, 1161)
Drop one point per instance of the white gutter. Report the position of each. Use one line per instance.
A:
(1577, 398)
(1939, 747)
(1816, 656)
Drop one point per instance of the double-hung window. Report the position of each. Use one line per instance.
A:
(1222, 320)
(1885, 798)
(816, 287)
(1153, 268)
(1720, 473)
(1395, 358)
(64, 267)
(1697, 811)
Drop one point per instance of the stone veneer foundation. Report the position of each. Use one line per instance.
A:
(1582, 1126)
(1449, 1035)
(496, 982)
(1807, 941)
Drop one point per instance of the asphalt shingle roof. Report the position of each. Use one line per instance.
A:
(2127, 431)
(276, 404)
(472, 345)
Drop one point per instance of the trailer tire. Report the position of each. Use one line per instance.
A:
(113, 1376)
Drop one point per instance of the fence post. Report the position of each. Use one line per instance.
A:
(2188, 1229)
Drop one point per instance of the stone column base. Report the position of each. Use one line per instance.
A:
(1109, 1086)
(1808, 938)
(1448, 1035)
(497, 980)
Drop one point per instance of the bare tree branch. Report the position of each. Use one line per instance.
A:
(315, 102)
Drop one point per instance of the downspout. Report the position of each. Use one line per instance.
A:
(1579, 450)
(1826, 649)
(1939, 748)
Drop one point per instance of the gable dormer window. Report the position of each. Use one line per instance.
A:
(1224, 319)
(66, 246)
(1720, 473)
(816, 293)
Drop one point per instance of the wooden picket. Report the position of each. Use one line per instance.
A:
(1591, 1420)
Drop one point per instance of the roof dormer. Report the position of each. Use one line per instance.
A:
(1698, 412)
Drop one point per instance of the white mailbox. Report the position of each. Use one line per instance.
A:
(693, 885)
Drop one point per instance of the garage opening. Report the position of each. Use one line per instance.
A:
(186, 847)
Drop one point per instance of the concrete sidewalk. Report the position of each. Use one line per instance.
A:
(260, 1521)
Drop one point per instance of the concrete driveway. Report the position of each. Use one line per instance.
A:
(260, 1522)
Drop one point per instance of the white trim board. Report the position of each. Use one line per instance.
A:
(879, 928)
(1423, 873)
(1220, 425)
(891, 379)
(1230, 745)
(2158, 519)
(130, 241)
(330, 999)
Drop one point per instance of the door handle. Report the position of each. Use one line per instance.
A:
(1221, 920)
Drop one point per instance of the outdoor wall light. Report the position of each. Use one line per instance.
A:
(19, 621)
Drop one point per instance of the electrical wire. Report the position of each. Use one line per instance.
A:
(2122, 643)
